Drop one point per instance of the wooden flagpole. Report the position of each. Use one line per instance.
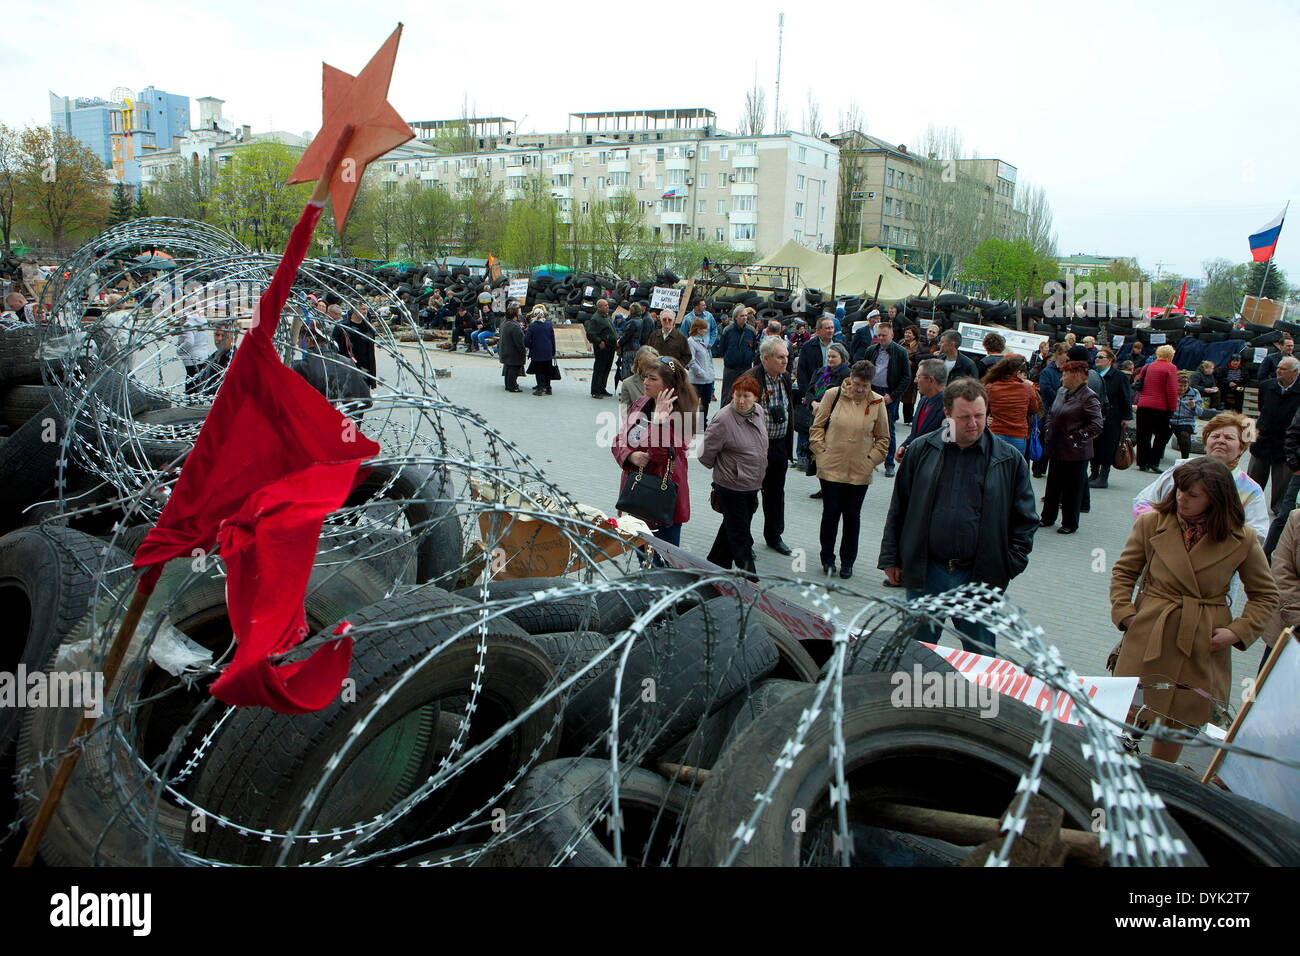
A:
(125, 634)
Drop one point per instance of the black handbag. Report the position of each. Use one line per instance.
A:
(648, 497)
(801, 418)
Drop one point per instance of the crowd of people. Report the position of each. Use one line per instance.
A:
(961, 506)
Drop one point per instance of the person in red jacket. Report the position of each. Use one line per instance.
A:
(1157, 398)
(659, 422)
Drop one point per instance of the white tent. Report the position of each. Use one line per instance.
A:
(855, 275)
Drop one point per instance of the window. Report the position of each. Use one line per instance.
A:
(803, 154)
(720, 234)
(745, 174)
(889, 206)
(722, 207)
(889, 176)
(562, 180)
(586, 159)
(798, 236)
(677, 177)
(748, 149)
(516, 182)
(677, 152)
(826, 160)
(798, 210)
(603, 157)
(700, 208)
(821, 215)
(704, 152)
(640, 182)
(700, 234)
(742, 230)
(724, 152)
(674, 205)
(659, 155)
(799, 182)
(704, 180)
(743, 204)
(584, 207)
(584, 183)
(911, 184)
(600, 182)
(619, 179)
(566, 206)
(446, 164)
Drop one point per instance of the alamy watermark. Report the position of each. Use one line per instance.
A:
(924, 688)
(81, 690)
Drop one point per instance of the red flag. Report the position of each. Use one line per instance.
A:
(273, 458)
(1182, 296)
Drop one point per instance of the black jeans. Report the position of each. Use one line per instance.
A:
(1152, 436)
(1065, 483)
(729, 376)
(1183, 436)
(841, 502)
(705, 391)
(600, 371)
(778, 463)
(734, 543)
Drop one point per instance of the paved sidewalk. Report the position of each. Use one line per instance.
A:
(1064, 590)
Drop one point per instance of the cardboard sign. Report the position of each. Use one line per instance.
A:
(589, 292)
(498, 300)
(1117, 341)
(1021, 343)
(1260, 355)
(1110, 695)
(1270, 726)
(661, 298)
(517, 290)
(1261, 311)
(1157, 338)
(923, 323)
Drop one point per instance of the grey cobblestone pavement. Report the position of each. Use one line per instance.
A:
(1064, 590)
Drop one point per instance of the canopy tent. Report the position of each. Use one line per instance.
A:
(856, 274)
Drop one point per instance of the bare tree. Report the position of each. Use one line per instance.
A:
(753, 120)
(949, 212)
(1031, 202)
(849, 211)
(812, 116)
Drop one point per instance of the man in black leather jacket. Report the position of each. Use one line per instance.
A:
(962, 510)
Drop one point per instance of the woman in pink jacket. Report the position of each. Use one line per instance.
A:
(658, 428)
(1157, 398)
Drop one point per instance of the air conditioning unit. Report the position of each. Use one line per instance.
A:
(731, 177)
(690, 181)
(690, 154)
(528, 160)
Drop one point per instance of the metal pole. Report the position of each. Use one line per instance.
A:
(835, 269)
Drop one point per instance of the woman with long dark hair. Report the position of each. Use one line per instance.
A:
(1179, 627)
(656, 433)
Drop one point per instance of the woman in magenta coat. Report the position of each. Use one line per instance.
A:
(1157, 398)
(659, 422)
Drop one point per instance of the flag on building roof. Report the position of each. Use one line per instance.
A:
(1264, 242)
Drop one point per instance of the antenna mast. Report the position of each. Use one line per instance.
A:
(780, 32)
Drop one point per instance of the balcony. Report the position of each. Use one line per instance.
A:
(620, 166)
(613, 191)
(469, 172)
(562, 192)
(744, 245)
(749, 216)
(677, 162)
(674, 218)
(562, 169)
(744, 189)
(737, 161)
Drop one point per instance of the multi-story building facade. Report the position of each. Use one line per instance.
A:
(889, 193)
(210, 145)
(689, 179)
(1081, 265)
(123, 130)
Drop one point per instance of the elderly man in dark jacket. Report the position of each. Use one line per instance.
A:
(511, 348)
(962, 511)
(603, 339)
(738, 344)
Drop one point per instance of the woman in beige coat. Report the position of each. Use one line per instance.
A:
(848, 439)
(1179, 629)
(1286, 575)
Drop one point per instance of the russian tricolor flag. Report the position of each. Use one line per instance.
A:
(673, 193)
(1264, 242)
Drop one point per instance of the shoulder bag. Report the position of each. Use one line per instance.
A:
(652, 499)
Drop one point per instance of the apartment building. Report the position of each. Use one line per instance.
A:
(888, 189)
(123, 130)
(1082, 265)
(689, 179)
(210, 145)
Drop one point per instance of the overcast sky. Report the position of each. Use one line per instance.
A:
(1159, 130)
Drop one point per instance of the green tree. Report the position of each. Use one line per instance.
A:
(11, 166)
(1225, 284)
(480, 216)
(611, 231)
(1003, 267)
(1273, 281)
(532, 229)
(182, 192)
(377, 220)
(251, 188)
(141, 208)
(62, 190)
(119, 210)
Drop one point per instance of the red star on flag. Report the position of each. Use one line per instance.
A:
(360, 102)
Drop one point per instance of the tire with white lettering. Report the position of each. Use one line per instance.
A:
(894, 752)
(676, 674)
(263, 767)
(109, 803)
(1228, 829)
(551, 813)
(47, 583)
